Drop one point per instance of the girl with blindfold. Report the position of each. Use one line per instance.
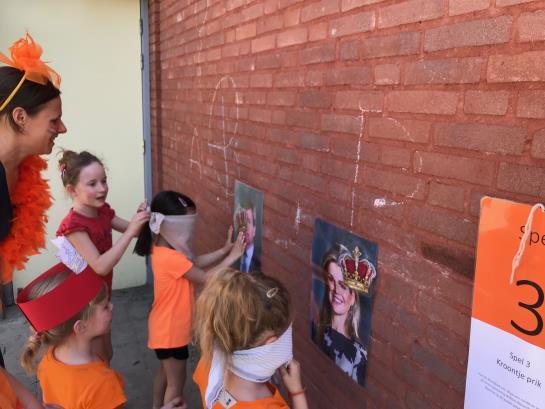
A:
(167, 238)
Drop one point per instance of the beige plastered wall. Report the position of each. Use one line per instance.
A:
(95, 46)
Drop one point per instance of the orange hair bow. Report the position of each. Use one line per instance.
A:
(26, 56)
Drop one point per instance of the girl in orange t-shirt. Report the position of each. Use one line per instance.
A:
(243, 327)
(167, 238)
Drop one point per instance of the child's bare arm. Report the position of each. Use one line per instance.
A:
(199, 276)
(291, 376)
(206, 259)
(102, 264)
(120, 224)
(25, 397)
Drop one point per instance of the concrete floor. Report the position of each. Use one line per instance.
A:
(131, 358)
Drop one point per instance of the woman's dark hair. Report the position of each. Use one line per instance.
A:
(31, 96)
(169, 203)
(71, 163)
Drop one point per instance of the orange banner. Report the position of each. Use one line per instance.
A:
(513, 303)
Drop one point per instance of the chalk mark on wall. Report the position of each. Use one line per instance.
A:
(195, 142)
(225, 146)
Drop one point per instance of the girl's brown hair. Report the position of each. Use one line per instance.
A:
(235, 309)
(71, 163)
(58, 335)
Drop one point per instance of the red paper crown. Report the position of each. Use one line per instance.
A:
(63, 302)
(357, 274)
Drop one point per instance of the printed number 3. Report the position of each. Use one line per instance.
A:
(532, 309)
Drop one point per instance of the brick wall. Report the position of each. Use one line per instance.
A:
(390, 118)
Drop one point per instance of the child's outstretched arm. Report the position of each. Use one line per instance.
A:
(198, 276)
(104, 263)
(206, 259)
(291, 376)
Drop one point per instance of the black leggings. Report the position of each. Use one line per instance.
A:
(1, 359)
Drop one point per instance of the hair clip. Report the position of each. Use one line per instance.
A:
(182, 201)
(63, 170)
(271, 292)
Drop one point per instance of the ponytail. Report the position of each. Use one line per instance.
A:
(30, 351)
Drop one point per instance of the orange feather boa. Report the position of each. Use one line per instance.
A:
(30, 201)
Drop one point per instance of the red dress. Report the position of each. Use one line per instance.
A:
(99, 229)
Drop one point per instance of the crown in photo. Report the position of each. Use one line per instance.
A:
(241, 220)
(358, 274)
(63, 302)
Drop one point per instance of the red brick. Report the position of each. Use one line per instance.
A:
(416, 401)
(505, 3)
(269, 24)
(526, 66)
(350, 50)
(233, 4)
(531, 26)
(303, 119)
(397, 183)
(268, 61)
(435, 365)
(314, 79)
(538, 144)
(291, 37)
(317, 31)
(281, 98)
(448, 196)
(455, 167)
(270, 6)
(456, 7)
(289, 79)
(342, 169)
(425, 102)
(387, 74)
(437, 311)
(339, 191)
(263, 43)
(261, 81)
(441, 395)
(348, 76)
(341, 123)
(354, 23)
(319, 54)
(343, 145)
(486, 102)
(316, 99)
(528, 180)
(246, 31)
(292, 17)
(352, 4)
(393, 156)
(531, 104)
(411, 11)
(485, 138)
(400, 129)
(251, 12)
(445, 224)
(443, 340)
(449, 71)
(368, 101)
(260, 115)
(397, 44)
(469, 34)
(319, 9)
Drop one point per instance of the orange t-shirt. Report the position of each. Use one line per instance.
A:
(171, 316)
(8, 399)
(87, 386)
(200, 376)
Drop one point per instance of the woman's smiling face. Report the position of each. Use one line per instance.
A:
(340, 296)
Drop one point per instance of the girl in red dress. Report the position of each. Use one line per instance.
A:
(88, 225)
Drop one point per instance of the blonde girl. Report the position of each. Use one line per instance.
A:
(243, 327)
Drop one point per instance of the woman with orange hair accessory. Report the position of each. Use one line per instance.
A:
(30, 120)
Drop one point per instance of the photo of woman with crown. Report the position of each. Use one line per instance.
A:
(344, 278)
